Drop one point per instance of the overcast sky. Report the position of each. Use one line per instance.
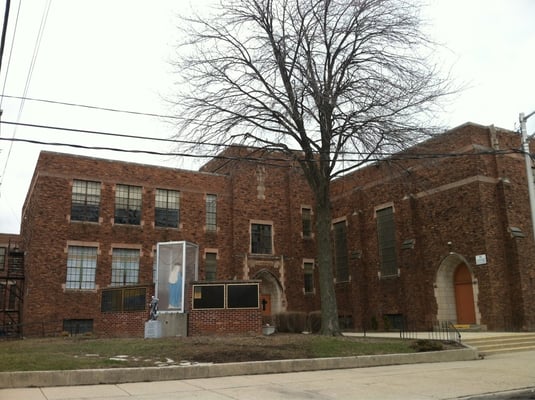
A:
(116, 54)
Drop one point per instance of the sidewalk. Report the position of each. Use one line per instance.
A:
(433, 381)
(426, 381)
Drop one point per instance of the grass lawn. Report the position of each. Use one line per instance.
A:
(86, 352)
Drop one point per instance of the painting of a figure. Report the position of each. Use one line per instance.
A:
(175, 286)
(176, 265)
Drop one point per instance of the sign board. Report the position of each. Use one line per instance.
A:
(481, 259)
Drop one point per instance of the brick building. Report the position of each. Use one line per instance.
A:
(417, 238)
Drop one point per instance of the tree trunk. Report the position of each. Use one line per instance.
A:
(329, 308)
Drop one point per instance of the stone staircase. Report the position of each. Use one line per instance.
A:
(502, 343)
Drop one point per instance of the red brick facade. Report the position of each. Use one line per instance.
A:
(447, 210)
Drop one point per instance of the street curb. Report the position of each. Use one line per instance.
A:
(21, 379)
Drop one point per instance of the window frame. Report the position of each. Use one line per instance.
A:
(259, 242)
(130, 205)
(85, 259)
(306, 223)
(386, 241)
(211, 212)
(309, 286)
(120, 263)
(85, 200)
(171, 212)
(210, 266)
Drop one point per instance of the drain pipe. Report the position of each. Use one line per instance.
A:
(529, 170)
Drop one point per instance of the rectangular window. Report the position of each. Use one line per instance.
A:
(167, 210)
(306, 217)
(3, 252)
(81, 267)
(211, 212)
(211, 266)
(340, 251)
(386, 235)
(77, 326)
(124, 267)
(128, 204)
(124, 299)
(85, 201)
(261, 239)
(309, 277)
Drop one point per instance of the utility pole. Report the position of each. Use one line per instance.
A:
(4, 30)
(529, 170)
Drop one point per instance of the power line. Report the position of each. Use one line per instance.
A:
(29, 75)
(63, 103)
(75, 130)
(380, 156)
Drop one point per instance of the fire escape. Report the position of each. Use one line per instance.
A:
(11, 292)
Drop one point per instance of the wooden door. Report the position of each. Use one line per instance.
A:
(464, 296)
(265, 304)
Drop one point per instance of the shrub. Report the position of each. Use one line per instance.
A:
(427, 345)
(291, 321)
(314, 321)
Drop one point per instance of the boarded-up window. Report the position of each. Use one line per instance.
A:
(386, 236)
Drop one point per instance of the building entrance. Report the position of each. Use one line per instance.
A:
(464, 295)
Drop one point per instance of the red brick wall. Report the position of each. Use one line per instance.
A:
(121, 324)
(486, 195)
(224, 322)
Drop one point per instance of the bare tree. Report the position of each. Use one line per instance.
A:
(342, 81)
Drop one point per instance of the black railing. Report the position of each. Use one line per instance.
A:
(446, 331)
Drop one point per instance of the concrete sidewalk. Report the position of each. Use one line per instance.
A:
(434, 381)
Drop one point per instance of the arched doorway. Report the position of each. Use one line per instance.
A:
(456, 291)
(270, 293)
(464, 295)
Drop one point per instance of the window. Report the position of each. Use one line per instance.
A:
(123, 299)
(211, 212)
(3, 252)
(85, 201)
(340, 251)
(261, 239)
(77, 326)
(128, 205)
(211, 266)
(386, 234)
(167, 210)
(124, 267)
(309, 277)
(81, 267)
(306, 217)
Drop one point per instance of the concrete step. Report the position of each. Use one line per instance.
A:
(502, 344)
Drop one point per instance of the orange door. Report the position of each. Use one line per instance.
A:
(265, 304)
(464, 296)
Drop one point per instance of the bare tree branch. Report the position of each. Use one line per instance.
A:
(325, 77)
